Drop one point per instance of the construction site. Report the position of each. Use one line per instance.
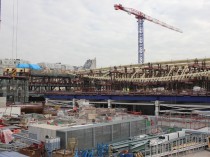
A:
(153, 109)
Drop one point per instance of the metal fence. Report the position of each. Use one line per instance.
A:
(89, 136)
(178, 147)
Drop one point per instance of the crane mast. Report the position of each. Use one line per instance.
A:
(141, 17)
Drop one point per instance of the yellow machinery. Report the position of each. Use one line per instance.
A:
(16, 71)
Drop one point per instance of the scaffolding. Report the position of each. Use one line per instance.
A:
(14, 89)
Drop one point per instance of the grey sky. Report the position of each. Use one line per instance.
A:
(71, 31)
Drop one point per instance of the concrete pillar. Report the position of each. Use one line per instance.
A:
(134, 107)
(46, 101)
(157, 108)
(73, 102)
(109, 103)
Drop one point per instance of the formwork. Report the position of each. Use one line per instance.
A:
(90, 135)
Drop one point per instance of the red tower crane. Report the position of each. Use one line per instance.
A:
(141, 16)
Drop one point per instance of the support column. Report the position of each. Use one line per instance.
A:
(73, 102)
(157, 108)
(46, 101)
(134, 108)
(109, 103)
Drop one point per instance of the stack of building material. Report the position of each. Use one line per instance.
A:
(30, 119)
(101, 114)
(81, 121)
(123, 110)
(66, 120)
(31, 151)
(86, 110)
(10, 111)
(108, 111)
(91, 113)
(62, 153)
(92, 116)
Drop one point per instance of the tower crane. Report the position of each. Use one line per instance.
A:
(141, 17)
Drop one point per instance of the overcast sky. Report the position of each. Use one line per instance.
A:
(72, 31)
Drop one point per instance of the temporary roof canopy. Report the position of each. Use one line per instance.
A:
(31, 66)
(23, 65)
(34, 67)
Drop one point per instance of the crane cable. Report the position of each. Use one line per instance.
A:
(15, 30)
(13, 27)
(0, 14)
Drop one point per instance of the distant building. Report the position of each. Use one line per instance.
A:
(90, 64)
(55, 67)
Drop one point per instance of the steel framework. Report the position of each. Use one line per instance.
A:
(164, 78)
(170, 78)
(15, 89)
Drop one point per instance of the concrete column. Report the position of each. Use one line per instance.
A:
(46, 101)
(134, 107)
(73, 102)
(157, 108)
(109, 103)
